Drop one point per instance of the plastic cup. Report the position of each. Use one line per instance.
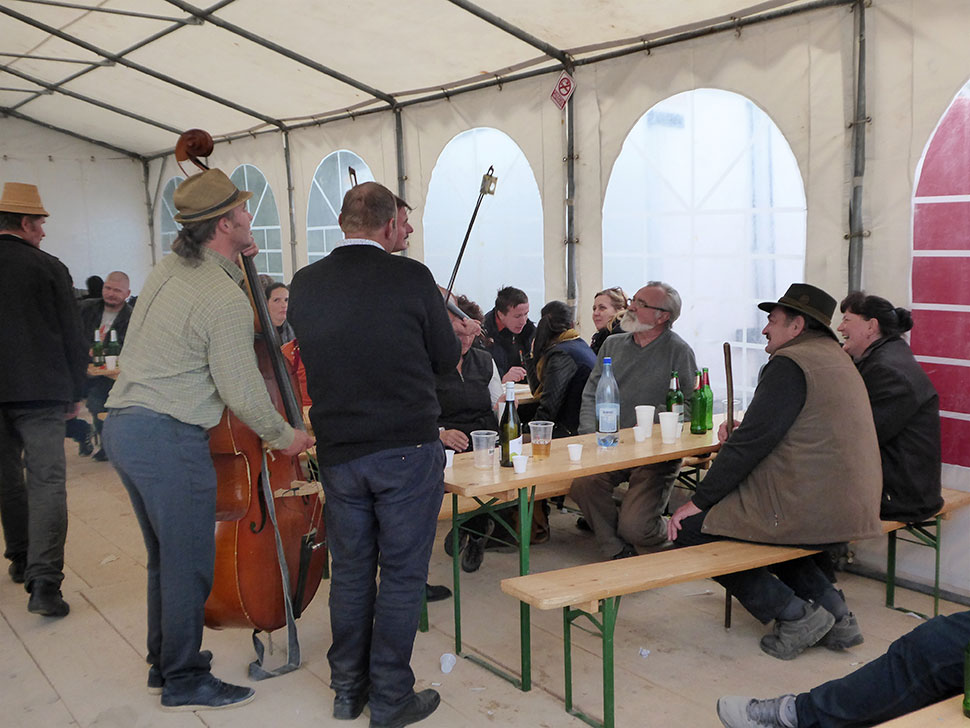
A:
(645, 417)
(448, 662)
(639, 433)
(575, 451)
(483, 445)
(669, 427)
(541, 436)
(519, 462)
(449, 458)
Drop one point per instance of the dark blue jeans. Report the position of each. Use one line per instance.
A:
(920, 668)
(763, 592)
(33, 511)
(167, 470)
(382, 510)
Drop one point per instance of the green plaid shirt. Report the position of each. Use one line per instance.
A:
(189, 349)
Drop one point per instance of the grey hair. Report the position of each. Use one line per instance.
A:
(671, 300)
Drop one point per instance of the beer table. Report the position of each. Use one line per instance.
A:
(498, 486)
(945, 714)
(94, 371)
(523, 394)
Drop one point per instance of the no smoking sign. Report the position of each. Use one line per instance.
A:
(563, 90)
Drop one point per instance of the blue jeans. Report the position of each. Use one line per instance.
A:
(763, 592)
(33, 511)
(382, 510)
(920, 668)
(167, 470)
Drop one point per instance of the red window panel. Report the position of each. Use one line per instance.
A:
(941, 280)
(945, 169)
(940, 333)
(951, 384)
(956, 441)
(941, 226)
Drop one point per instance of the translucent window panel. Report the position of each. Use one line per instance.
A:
(266, 219)
(707, 196)
(505, 247)
(168, 228)
(331, 180)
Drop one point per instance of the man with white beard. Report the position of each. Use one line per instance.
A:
(643, 358)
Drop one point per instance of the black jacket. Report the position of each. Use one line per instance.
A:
(466, 403)
(91, 312)
(46, 359)
(906, 410)
(508, 349)
(564, 374)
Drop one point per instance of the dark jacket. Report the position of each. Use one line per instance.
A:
(603, 334)
(465, 401)
(906, 410)
(564, 374)
(91, 313)
(508, 349)
(46, 357)
(373, 332)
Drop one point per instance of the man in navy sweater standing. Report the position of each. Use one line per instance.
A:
(373, 332)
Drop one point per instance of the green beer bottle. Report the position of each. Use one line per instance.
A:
(708, 399)
(698, 407)
(675, 398)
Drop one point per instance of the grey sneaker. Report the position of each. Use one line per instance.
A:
(790, 638)
(845, 633)
(738, 712)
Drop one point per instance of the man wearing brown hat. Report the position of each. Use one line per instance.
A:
(188, 355)
(802, 469)
(42, 384)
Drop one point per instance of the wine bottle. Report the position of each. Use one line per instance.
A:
(510, 428)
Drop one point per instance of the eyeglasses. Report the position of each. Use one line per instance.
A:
(641, 304)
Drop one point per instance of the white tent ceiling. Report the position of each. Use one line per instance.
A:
(130, 73)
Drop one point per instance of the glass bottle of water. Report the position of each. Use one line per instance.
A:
(607, 407)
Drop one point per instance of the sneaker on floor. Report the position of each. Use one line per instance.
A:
(17, 569)
(845, 633)
(473, 555)
(101, 456)
(156, 682)
(420, 707)
(790, 638)
(46, 599)
(737, 712)
(436, 592)
(626, 552)
(84, 445)
(583, 525)
(209, 693)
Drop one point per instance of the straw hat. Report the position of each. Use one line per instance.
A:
(807, 300)
(21, 198)
(207, 195)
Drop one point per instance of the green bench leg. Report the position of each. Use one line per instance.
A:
(927, 533)
(608, 608)
(423, 619)
(891, 571)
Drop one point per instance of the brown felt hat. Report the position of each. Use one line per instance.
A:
(807, 300)
(22, 199)
(207, 195)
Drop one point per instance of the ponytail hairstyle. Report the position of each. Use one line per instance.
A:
(892, 320)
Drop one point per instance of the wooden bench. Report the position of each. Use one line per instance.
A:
(593, 591)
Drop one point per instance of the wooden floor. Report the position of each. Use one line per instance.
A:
(673, 657)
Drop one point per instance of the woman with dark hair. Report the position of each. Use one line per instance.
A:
(93, 284)
(562, 363)
(609, 305)
(278, 301)
(905, 406)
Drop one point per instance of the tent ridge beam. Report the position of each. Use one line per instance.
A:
(30, 57)
(23, 117)
(502, 24)
(112, 11)
(140, 68)
(282, 50)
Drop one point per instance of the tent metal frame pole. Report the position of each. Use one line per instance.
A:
(291, 203)
(856, 233)
(402, 175)
(571, 242)
(112, 11)
(150, 207)
(76, 135)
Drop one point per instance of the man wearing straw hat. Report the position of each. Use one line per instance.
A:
(802, 469)
(188, 355)
(42, 386)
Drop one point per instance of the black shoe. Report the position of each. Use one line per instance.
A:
(462, 540)
(45, 599)
(156, 682)
(84, 445)
(436, 592)
(347, 706)
(624, 553)
(209, 693)
(583, 525)
(100, 456)
(17, 569)
(420, 707)
(473, 555)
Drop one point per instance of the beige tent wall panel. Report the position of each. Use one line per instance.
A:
(524, 112)
(95, 197)
(369, 137)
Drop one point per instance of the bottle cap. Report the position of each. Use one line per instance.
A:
(607, 360)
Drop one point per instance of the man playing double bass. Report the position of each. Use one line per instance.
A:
(188, 355)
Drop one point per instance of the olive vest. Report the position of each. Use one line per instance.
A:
(823, 482)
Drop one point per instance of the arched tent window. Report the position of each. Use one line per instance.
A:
(266, 219)
(168, 228)
(330, 183)
(706, 195)
(505, 247)
(941, 273)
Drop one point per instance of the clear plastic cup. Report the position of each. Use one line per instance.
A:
(449, 458)
(483, 445)
(448, 662)
(541, 437)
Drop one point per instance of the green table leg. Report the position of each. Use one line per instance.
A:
(456, 569)
(891, 571)
(526, 503)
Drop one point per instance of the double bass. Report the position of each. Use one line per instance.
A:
(260, 515)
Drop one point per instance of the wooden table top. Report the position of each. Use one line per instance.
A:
(94, 371)
(945, 714)
(467, 480)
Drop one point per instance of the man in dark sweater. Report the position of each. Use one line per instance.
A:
(373, 332)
